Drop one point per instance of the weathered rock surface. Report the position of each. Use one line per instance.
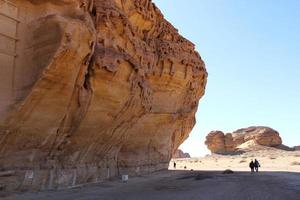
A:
(220, 143)
(92, 89)
(180, 154)
(262, 135)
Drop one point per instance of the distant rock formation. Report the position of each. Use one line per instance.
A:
(220, 143)
(286, 148)
(297, 148)
(180, 154)
(91, 89)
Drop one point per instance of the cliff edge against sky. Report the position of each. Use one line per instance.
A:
(92, 90)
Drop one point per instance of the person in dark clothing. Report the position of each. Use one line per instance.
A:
(174, 165)
(251, 165)
(256, 165)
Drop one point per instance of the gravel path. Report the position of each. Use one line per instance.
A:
(174, 185)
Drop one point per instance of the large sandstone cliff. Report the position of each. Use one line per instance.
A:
(92, 89)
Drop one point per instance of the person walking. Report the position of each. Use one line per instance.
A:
(174, 165)
(251, 165)
(256, 165)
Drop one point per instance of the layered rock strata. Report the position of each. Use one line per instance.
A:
(93, 89)
(220, 143)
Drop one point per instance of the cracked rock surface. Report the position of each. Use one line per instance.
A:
(100, 88)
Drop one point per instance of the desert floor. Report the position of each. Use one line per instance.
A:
(279, 179)
(187, 185)
(270, 160)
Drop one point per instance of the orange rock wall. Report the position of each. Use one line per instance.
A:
(114, 90)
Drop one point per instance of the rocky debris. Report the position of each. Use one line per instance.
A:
(180, 154)
(220, 143)
(99, 88)
(228, 171)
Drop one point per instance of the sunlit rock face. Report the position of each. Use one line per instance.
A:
(262, 135)
(97, 89)
(220, 143)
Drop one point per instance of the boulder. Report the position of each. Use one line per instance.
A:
(228, 171)
(98, 88)
(215, 142)
(218, 142)
(262, 135)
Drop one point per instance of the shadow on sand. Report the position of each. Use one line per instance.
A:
(180, 184)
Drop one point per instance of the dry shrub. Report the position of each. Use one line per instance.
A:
(243, 161)
(295, 163)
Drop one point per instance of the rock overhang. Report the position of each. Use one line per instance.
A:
(117, 92)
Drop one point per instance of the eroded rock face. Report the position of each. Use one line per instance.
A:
(99, 88)
(215, 141)
(262, 135)
(218, 142)
(180, 154)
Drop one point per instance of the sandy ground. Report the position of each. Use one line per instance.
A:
(279, 179)
(187, 185)
(270, 160)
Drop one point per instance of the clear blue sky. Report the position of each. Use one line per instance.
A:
(252, 53)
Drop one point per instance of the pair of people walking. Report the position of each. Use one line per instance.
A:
(254, 165)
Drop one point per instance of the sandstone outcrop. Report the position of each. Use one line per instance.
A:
(262, 135)
(92, 89)
(180, 154)
(220, 143)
